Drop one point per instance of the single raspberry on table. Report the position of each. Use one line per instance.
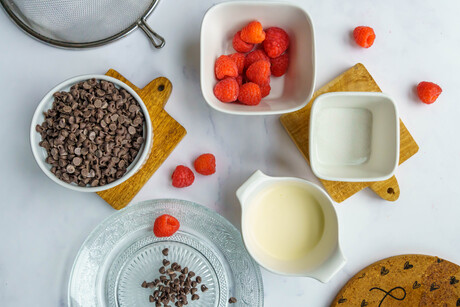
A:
(227, 90)
(265, 90)
(182, 177)
(255, 56)
(250, 94)
(239, 59)
(276, 42)
(280, 65)
(259, 72)
(225, 67)
(364, 36)
(253, 33)
(205, 164)
(165, 225)
(240, 45)
(428, 92)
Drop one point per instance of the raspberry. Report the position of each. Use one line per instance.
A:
(276, 42)
(253, 33)
(225, 67)
(226, 90)
(265, 90)
(205, 164)
(259, 72)
(250, 94)
(240, 45)
(239, 80)
(165, 225)
(255, 56)
(428, 92)
(280, 65)
(364, 36)
(239, 59)
(182, 177)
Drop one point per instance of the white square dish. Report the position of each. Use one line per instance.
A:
(354, 136)
(289, 92)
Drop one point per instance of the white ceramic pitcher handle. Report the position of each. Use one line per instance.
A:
(330, 267)
(244, 190)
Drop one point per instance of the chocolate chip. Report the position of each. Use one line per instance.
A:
(204, 288)
(195, 297)
(165, 262)
(76, 161)
(232, 300)
(198, 279)
(70, 169)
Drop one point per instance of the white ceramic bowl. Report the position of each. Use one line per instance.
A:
(354, 136)
(323, 261)
(40, 153)
(289, 92)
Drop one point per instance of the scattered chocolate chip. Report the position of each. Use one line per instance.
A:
(232, 300)
(170, 288)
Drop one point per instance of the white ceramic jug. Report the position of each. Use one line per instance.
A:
(323, 261)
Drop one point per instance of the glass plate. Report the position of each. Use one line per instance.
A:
(122, 252)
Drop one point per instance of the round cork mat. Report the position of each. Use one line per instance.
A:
(405, 280)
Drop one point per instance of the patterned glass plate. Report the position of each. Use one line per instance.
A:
(122, 252)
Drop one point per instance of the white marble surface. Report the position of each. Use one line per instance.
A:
(42, 225)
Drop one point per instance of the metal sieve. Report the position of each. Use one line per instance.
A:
(82, 23)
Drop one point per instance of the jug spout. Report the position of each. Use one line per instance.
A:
(330, 267)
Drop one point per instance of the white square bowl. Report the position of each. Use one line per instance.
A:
(289, 92)
(354, 136)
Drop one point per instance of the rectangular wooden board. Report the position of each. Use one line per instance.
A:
(167, 133)
(356, 79)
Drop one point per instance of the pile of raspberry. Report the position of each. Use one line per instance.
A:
(244, 76)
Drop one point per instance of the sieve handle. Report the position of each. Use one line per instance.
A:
(156, 39)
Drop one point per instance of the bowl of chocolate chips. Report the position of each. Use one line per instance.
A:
(91, 133)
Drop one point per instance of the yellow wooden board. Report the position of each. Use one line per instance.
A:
(167, 133)
(405, 280)
(356, 79)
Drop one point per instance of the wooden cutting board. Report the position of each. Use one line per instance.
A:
(356, 79)
(405, 280)
(167, 133)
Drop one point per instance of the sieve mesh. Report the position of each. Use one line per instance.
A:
(85, 22)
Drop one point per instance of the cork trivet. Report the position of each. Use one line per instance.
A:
(405, 280)
(356, 79)
(167, 133)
